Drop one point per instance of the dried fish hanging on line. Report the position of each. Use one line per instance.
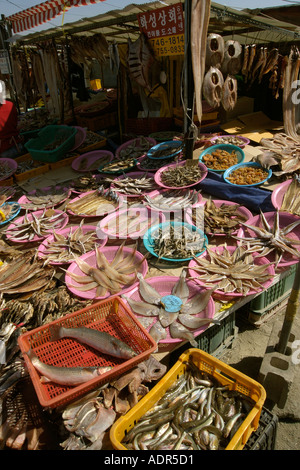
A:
(139, 60)
(54, 79)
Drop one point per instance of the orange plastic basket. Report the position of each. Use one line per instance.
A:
(225, 375)
(111, 316)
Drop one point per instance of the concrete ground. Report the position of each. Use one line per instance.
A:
(246, 355)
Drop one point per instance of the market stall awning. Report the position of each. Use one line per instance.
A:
(44, 12)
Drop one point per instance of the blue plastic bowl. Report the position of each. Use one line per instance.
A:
(14, 214)
(228, 172)
(228, 147)
(168, 144)
(149, 241)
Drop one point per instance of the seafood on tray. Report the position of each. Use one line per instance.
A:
(181, 175)
(135, 148)
(185, 317)
(176, 242)
(172, 199)
(8, 211)
(194, 413)
(43, 198)
(24, 274)
(36, 225)
(224, 218)
(133, 185)
(291, 198)
(281, 152)
(94, 203)
(118, 165)
(64, 246)
(220, 159)
(231, 270)
(272, 236)
(107, 276)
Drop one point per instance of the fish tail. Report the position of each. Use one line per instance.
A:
(55, 332)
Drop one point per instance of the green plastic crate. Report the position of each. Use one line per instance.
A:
(49, 135)
(214, 340)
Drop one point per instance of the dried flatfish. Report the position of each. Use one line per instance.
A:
(47, 197)
(291, 198)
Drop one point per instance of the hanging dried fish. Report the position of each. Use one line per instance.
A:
(232, 62)
(213, 87)
(229, 93)
(214, 51)
(140, 59)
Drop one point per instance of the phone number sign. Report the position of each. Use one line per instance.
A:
(164, 28)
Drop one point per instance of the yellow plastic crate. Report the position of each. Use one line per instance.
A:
(223, 373)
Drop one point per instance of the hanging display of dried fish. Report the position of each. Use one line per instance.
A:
(214, 51)
(140, 59)
(232, 62)
(200, 14)
(213, 87)
(289, 105)
(229, 93)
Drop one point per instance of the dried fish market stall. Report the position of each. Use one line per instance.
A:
(94, 275)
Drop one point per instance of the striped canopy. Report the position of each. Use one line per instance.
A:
(34, 16)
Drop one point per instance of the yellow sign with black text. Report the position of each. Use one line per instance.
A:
(168, 45)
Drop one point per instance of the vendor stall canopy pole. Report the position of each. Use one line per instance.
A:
(188, 84)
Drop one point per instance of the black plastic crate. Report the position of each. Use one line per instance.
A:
(264, 438)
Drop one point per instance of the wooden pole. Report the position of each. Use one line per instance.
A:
(292, 309)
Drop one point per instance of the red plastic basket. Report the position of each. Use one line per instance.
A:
(111, 316)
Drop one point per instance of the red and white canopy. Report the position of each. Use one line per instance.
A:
(34, 16)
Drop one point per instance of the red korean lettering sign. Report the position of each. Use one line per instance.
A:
(164, 28)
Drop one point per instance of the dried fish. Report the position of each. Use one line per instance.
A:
(35, 225)
(94, 203)
(46, 197)
(181, 175)
(107, 276)
(271, 239)
(177, 242)
(135, 148)
(231, 271)
(291, 198)
(118, 166)
(223, 219)
(65, 248)
(138, 185)
(176, 199)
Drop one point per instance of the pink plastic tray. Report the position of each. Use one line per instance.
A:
(65, 220)
(66, 231)
(79, 137)
(153, 194)
(242, 210)
(159, 172)
(164, 285)
(144, 217)
(93, 216)
(247, 141)
(91, 157)
(90, 258)
(218, 293)
(284, 219)
(24, 200)
(132, 141)
(12, 164)
(136, 175)
(8, 190)
(278, 193)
